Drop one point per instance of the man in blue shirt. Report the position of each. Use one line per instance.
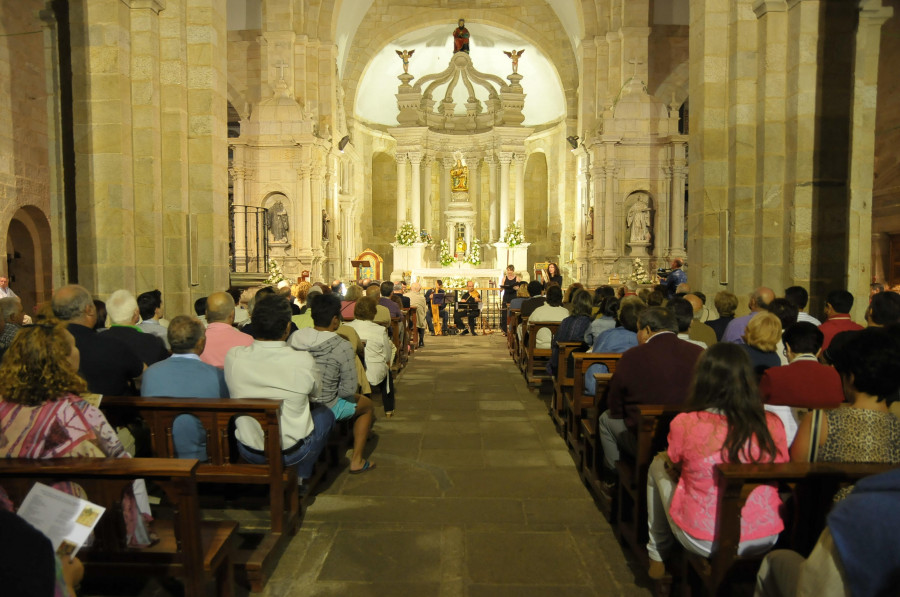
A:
(184, 375)
(675, 277)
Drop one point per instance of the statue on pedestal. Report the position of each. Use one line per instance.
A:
(459, 177)
(639, 220)
(514, 55)
(461, 38)
(277, 223)
(405, 55)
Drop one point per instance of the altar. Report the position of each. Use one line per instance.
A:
(458, 271)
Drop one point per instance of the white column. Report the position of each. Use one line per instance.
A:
(609, 216)
(239, 219)
(491, 161)
(415, 159)
(446, 164)
(317, 187)
(676, 208)
(347, 236)
(401, 188)
(305, 211)
(427, 195)
(520, 189)
(505, 158)
(475, 191)
(584, 203)
(598, 181)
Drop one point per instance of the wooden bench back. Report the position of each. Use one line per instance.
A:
(583, 361)
(536, 358)
(104, 480)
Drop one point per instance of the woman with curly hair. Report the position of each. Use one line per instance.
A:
(39, 391)
(42, 415)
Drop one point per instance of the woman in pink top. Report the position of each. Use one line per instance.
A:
(725, 422)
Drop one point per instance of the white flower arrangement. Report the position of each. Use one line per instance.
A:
(275, 273)
(446, 257)
(474, 256)
(406, 234)
(513, 235)
(638, 273)
(454, 282)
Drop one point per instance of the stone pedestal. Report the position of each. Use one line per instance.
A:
(517, 256)
(407, 258)
(639, 249)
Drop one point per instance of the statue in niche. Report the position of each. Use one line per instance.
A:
(459, 177)
(325, 222)
(639, 220)
(277, 223)
(461, 38)
(514, 55)
(405, 55)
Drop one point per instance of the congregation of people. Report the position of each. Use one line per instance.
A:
(319, 351)
(775, 385)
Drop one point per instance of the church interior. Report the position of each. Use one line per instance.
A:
(188, 145)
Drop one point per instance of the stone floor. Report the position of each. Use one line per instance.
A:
(474, 494)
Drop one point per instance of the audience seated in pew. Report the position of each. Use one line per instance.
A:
(804, 383)
(684, 316)
(617, 340)
(799, 298)
(760, 341)
(537, 299)
(336, 361)
(856, 554)
(382, 313)
(379, 350)
(573, 327)
(221, 335)
(552, 311)
(725, 422)
(786, 313)
(726, 303)
(107, 364)
(353, 294)
(657, 371)
(699, 331)
(184, 375)
(759, 300)
(43, 416)
(864, 430)
(605, 320)
(122, 310)
(269, 368)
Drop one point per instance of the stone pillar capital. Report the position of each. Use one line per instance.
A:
(447, 163)
(400, 158)
(318, 171)
(415, 157)
(519, 158)
(490, 160)
(505, 157)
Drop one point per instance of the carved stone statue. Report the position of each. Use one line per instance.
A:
(277, 223)
(405, 55)
(325, 221)
(461, 38)
(639, 220)
(514, 55)
(459, 177)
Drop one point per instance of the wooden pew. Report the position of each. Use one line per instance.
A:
(577, 402)
(592, 472)
(224, 466)
(562, 382)
(536, 358)
(652, 436)
(512, 324)
(396, 338)
(813, 486)
(192, 550)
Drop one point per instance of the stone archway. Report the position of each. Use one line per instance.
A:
(28, 256)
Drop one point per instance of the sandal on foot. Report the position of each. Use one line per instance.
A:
(366, 467)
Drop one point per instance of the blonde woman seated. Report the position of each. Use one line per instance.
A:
(761, 339)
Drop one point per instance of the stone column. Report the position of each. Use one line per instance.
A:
(427, 197)
(474, 165)
(609, 208)
(505, 158)
(676, 228)
(304, 211)
(401, 188)
(446, 164)
(881, 257)
(598, 180)
(492, 196)
(317, 187)
(347, 236)
(520, 189)
(239, 222)
(415, 160)
(872, 16)
(584, 204)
